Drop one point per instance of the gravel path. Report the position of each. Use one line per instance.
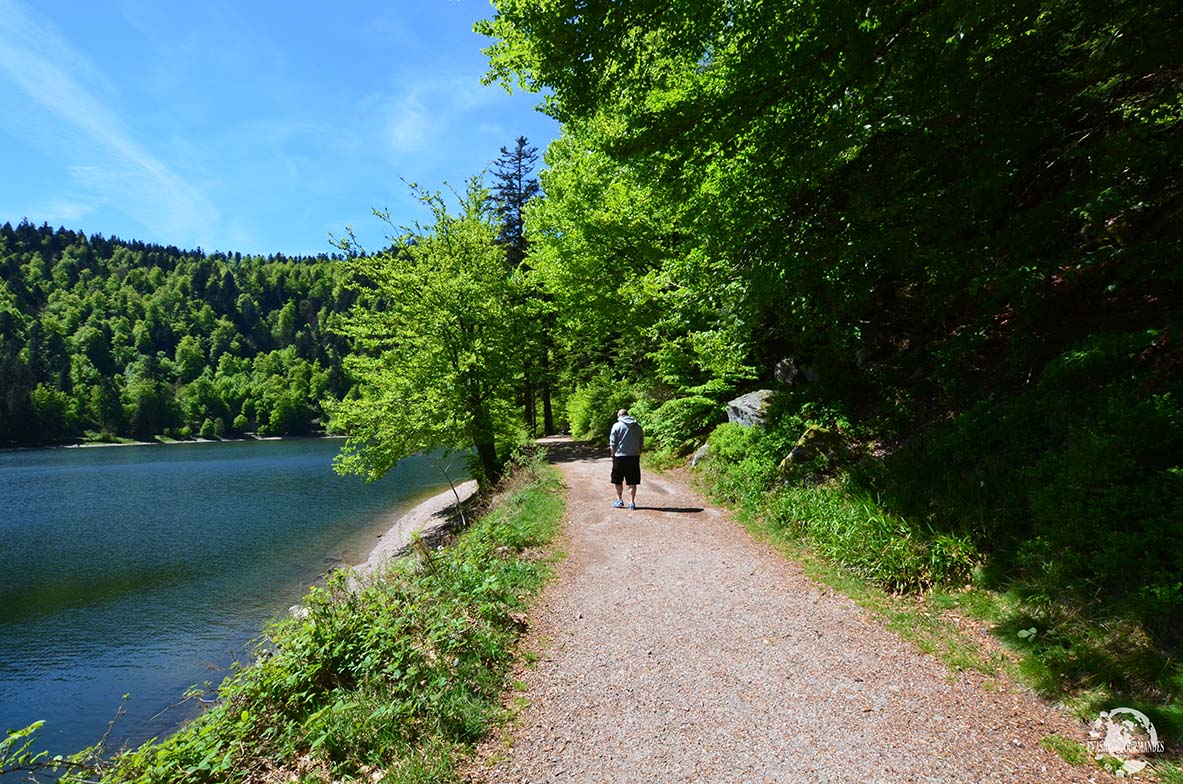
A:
(674, 648)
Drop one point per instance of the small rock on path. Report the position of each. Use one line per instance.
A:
(675, 648)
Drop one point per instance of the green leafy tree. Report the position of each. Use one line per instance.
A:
(904, 185)
(208, 430)
(943, 210)
(54, 412)
(514, 188)
(190, 358)
(149, 407)
(434, 343)
(285, 324)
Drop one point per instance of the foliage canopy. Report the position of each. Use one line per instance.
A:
(961, 218)
(433, 333)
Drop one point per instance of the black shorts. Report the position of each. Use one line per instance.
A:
(626, 469)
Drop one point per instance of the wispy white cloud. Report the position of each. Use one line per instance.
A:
(64, 212)
(492, 129)
(431, 119)
(410, 128)
(38, 59)
(469, 95)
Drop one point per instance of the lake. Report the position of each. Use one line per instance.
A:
(144, 570)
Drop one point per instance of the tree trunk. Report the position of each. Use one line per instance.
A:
(485, 443)
(486, 451)
(548, 417)
(531, 411)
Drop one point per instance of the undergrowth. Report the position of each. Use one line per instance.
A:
(838, 522)
(392, 681)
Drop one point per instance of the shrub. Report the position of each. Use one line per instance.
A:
(642, 409)
(592, 407)
(1107, 507)
(790, 413)
(731, 443)
(676, 425)
(1074, 487)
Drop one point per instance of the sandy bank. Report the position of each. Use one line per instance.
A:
(185, 441)
(430, 518)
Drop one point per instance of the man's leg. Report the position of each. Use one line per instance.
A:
(633, 477)
(617, 481)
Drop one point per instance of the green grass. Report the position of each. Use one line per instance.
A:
(1168, 772)
(1072, 752)
(391, 682)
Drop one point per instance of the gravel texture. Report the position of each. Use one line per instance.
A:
(674, 648)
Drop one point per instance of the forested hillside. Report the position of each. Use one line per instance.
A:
(101, 338)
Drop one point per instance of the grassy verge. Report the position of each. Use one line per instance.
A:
(930, 587)
(391, 682)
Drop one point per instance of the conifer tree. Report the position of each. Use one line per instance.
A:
(514, 188)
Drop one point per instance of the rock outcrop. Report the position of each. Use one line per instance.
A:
(748, 410)
(789, 373)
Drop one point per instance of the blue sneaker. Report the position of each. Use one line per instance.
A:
(632, 506)
(618, 504)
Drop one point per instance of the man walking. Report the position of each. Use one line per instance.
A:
(625, 441)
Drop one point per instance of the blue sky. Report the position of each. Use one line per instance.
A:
(253, 126)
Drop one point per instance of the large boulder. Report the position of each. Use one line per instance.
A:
(815, 442)
(789, 373)
(748, 410)
(786, 371)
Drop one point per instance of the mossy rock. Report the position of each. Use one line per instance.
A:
(815, 442)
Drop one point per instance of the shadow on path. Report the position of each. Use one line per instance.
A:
(561, 449)
(678, 509)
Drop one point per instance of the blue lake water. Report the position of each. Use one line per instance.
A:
(145, 570)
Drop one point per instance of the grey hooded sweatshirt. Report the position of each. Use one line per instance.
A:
(626, 437)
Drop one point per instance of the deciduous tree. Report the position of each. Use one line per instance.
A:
(434, 342)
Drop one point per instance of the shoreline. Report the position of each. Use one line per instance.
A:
(174, 442)
(430, 518)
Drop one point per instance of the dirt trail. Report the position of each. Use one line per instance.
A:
(674, 648)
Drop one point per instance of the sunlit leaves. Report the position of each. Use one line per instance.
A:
(433, 333)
